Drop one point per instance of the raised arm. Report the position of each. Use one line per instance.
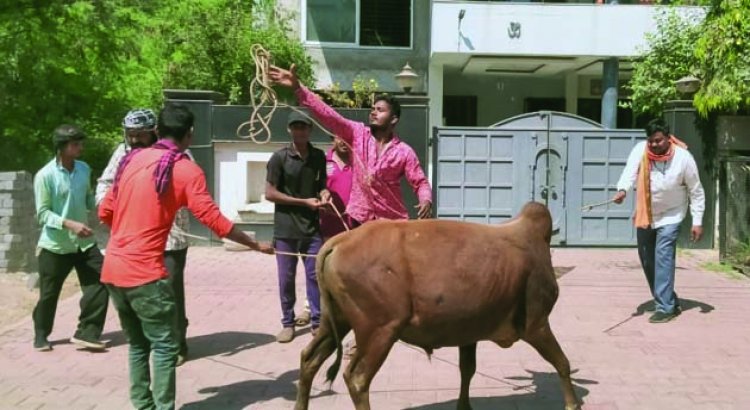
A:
(328, 117)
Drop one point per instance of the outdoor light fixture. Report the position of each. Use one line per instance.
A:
(407, 78)
(461, 15)
(688, 85)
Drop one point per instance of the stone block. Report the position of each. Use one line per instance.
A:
(11, 238)
(15, 185)
(9, 176)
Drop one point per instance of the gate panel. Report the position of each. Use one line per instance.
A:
(479, 174)
(599, 156)
(485, 175)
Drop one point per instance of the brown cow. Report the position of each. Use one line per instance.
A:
(434, 284)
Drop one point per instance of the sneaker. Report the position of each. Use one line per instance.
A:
(41, 344)
(303, 319)
(662, 317)
(88, 344)
(286, 335)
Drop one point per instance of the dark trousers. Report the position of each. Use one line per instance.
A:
(148, 318)
(53, 270)
(175, 263)
(287, 269)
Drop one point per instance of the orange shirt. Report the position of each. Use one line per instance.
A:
(141, 220)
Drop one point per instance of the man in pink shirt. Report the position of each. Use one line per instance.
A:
(380, 157)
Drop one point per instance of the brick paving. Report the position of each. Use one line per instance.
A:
(699, 361)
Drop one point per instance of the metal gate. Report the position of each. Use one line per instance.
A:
(486, 175)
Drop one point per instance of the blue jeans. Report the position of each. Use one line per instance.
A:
(657, 250)
(287, 269)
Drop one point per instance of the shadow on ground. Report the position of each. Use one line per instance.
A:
(541, 390)
(225, 343)
(242, 394)
(685, 305)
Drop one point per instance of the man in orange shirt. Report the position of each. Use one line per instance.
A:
(150, 186)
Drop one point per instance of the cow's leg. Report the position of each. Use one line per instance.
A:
(372, 349)
(467, 362)
(313, 356)
(546, 344)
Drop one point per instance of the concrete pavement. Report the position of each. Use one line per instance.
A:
(699, 361)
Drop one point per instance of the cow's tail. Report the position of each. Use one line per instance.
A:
(331, 311)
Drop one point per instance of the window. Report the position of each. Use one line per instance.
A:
(378, 23)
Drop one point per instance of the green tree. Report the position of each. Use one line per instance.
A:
(88, 61)
(670, 56)
(716, 49)
(208, 44)
(723, 58)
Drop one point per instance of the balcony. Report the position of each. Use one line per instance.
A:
(543, 29)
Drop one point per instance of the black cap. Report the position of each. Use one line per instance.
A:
(66, 133)
(295, 116)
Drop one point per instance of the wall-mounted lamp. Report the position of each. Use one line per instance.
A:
(688, 85)
(461, 15)
(407, 78)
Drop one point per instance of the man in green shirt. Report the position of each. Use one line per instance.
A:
(63, 196)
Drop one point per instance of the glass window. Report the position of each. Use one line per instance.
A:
(332, 21)
(384, 23)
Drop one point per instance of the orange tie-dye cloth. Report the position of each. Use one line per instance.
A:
(643, 216)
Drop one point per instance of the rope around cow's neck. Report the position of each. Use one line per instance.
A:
(262, 94)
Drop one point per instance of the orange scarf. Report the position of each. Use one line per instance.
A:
(643, 216)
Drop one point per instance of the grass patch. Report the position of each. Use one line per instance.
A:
(684, 252)
(723, 268)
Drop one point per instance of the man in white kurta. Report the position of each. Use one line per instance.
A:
(667, 176)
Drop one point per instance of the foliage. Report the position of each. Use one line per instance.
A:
(669, 57)
(87, 62)
(334, 96)
(208, 44)
(364, 91)
(362, 94)
(723, 54)
(715, 49)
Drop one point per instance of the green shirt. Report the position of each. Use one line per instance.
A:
(59, 195)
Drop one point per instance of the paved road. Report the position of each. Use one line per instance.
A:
(699, 361)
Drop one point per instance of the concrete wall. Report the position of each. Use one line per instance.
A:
(343, 64)
(18, 228)
(545, 29)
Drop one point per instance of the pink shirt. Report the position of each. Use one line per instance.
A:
(376, 191)
(339, 183)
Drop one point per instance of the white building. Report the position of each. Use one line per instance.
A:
(483, 61)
